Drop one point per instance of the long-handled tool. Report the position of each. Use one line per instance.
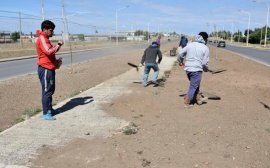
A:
(216, 71)
(133, 65)
(137, 69)
(210, 96)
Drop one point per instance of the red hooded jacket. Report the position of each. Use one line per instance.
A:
(46, 51)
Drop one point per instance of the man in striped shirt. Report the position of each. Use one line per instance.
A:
(47, 64)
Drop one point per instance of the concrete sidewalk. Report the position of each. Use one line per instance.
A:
(81, 117)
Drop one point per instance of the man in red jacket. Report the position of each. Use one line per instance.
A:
(47, 64)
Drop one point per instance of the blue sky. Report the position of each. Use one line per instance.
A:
(181, 16)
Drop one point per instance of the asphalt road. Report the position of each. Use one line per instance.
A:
(259, 55)
(15, 68)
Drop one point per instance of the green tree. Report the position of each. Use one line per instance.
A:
(138, 32)
(146, 35)
(81, 37)
(250, 32)
(237, 36)
(141, 33)
(254, 38)
(15, 36)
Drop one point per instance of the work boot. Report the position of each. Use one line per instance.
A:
(48, 116)
(155, 83)
(187, 101)
(200, 100)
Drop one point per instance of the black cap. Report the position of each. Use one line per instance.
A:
(204, 35)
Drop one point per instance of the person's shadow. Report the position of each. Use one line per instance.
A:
(75, 102)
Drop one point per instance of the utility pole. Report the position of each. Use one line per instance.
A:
(63, 20)
(95, 34)
(43, 18)
(20, 22)
(238, 36)
(65, 26)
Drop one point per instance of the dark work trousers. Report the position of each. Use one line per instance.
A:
(194, 86)
(47, 80)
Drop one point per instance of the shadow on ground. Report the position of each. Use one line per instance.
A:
(75, 102)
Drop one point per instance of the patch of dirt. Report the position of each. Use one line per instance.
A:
(231, 132)
(22, 94)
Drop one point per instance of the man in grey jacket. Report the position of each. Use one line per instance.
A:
(197, 59)
(149, 58)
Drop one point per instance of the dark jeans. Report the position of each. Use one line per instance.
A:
(194, 86)
(47, 80)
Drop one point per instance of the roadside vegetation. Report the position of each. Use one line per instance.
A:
(29, 113)
(256, 36)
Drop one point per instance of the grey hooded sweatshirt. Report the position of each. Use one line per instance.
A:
(197, 55)
(151, 53)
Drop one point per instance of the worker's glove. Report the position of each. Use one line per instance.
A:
(140, 65)
(205, 68)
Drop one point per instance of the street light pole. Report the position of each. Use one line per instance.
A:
(95, 34)
(231, 30)
(238, 36)
(266, 20)
(216, 29)
(207, 24)
(261, 32)
(158, 28)
(168, 30)
(149, 31)
(116, 24)
(266, 24)
(248, 24)
(222, 32)
(214, 25)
